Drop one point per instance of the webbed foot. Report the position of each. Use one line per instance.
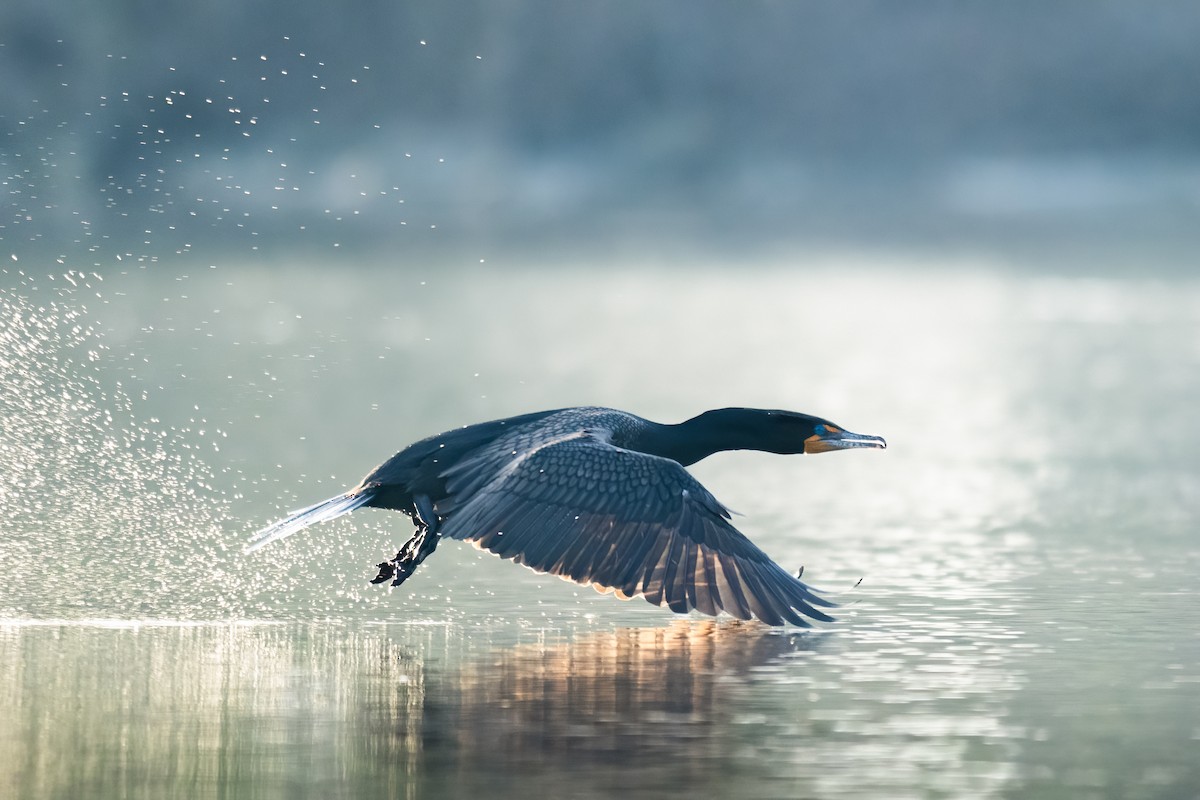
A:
(386, 570)
(411, 554)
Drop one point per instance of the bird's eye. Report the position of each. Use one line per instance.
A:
(819, 430)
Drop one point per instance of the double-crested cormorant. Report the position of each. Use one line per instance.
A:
(599, 497)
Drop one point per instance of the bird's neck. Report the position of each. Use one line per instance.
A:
(710, 432)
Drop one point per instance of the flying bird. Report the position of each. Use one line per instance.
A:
(596, 496)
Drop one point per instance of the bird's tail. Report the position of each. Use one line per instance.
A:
(299, 520)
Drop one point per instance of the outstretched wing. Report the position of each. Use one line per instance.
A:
(583, 509)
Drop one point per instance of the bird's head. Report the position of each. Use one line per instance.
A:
(825, 437)
(777, 431)
(793, 432)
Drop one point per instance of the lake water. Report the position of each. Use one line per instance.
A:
(1028, 624)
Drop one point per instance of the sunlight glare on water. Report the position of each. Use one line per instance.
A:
(1026, 543)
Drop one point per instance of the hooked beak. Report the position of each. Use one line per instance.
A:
(837, 439)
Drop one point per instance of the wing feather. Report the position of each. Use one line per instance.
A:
(671, 585)
(541, 537)
(640, 561)
(588, 511)
(731, 588)
(513, 534)
(708, 601)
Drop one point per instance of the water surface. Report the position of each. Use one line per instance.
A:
(1027, 625)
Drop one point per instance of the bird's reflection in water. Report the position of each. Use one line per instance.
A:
(650, 702)
(408, 711)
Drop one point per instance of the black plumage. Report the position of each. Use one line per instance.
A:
(599, 497)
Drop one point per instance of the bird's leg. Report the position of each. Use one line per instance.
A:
(416, 549)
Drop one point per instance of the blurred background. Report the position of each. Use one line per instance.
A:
(249, 250)
(140, 128)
